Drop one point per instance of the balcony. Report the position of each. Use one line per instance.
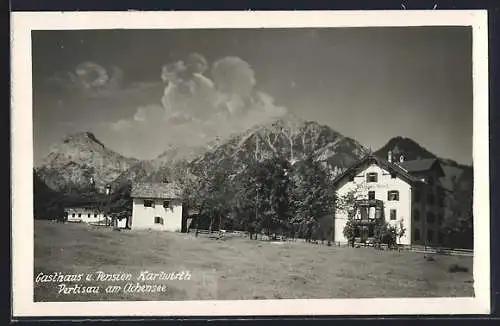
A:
(367, 211)
(377, 203)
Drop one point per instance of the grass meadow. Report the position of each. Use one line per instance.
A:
(236, 268)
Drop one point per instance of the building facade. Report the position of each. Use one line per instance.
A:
(156, 206)
(405, 194)
(84, 214)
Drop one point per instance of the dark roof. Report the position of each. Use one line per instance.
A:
(418, 165)
(156, 190)
(391, 167)
(87, 207)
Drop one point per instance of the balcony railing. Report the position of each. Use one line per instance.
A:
(370, 203)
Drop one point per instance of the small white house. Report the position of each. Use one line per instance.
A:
(84, 214)
(156, 206)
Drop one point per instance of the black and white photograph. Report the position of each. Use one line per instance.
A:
(253, 164)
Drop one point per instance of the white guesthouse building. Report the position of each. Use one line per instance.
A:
(156, 206)
(397, 191)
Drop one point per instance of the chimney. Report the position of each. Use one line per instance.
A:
(389, 157)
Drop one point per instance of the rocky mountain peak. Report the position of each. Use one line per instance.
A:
(78, 157)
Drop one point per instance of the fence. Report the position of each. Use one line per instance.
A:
(442, 251)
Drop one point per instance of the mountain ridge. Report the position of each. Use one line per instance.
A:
(80, 156)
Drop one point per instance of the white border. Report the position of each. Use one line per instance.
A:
(22, 158)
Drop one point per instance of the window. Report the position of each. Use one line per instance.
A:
(351, 177)
(416, 215)
(149, 203)
(430, 199)
(371, 177)
(393, 175)
(158, 220)
(430, 235)
(416, 195)
(79, 215)
(430, 217)
(393, 195)
(166, 204)
(416, 235)
(393, 214)
(95, 215)
(73, 215)
(371, 195)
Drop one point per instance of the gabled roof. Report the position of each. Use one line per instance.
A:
(418, 165)
(391, 167)
(156, 190)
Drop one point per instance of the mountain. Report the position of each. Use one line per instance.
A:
(289, 137)
(399, 145)
(74, 160)
(174, 157)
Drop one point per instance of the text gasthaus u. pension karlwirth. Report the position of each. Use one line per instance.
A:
(100, 276)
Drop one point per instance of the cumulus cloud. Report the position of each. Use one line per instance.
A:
(233, 76)
(230, 88)
(88, 78)
(196, 108)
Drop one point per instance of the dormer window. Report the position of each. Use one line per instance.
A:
(393, 175)
(149, 203)
(166, 204)
(372, 177)
(351, 178)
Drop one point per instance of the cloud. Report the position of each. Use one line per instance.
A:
(121, 125)
(88, 78)
(141, 114)
(232, 75)
(230, 89)
(196, 108)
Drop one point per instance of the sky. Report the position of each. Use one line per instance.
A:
(370, 84)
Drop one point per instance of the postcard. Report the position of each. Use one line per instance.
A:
(250, 163)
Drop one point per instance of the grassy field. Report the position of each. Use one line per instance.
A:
(236, 268)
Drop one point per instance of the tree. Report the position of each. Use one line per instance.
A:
(384, 233)
(47, 203)
(248, 191)
(400, 230)
(350, 231)
(347, 204)
(311, 195)
(120, 202)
